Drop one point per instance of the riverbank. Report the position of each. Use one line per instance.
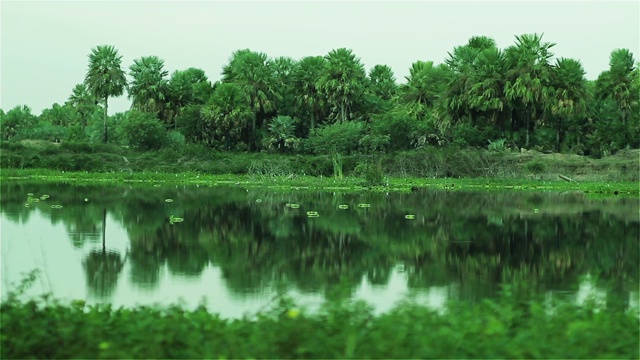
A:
(426, 163)
(346, 184)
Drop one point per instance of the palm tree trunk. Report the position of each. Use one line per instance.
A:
(558, 132)
(526, 143)
(313, 120)
(106, 106)
(104, 230)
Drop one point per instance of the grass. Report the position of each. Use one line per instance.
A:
(297, 182)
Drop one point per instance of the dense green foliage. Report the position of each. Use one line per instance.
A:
(509, 328)
(479, 96)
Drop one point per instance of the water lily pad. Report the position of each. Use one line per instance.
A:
(258, 200)
(56, 206)
(174, 219)
(295, 206)
(409, 217)
(343, 207)
(312, 214)
(168, 200)
(364, 205)
(44, 197)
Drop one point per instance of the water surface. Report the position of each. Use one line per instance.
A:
(236, 248)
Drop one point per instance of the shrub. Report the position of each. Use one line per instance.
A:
(142, 131)
(342, 138)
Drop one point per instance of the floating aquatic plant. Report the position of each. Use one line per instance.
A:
(56, 206)
(364, 205)
(295, 206)
(343, 207)
(312, 214)
(258, 200)
(409, 217)
(174, 219)
(44, 197)
(168, 200)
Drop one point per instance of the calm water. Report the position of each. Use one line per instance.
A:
(236, 248)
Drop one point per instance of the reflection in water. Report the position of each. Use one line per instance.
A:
(102, 269)
(237, 247)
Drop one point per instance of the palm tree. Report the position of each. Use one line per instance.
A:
(342, 82)
(617, 82)
(83, 102)
(283, 68)
(382, 82)
(148, 88)
(105, 77)
(185, 88)
(424, 87)
(281, 134)
(227, 113)
(255, 75)
(305, 76)
(463, 62)
(528, 75)
(486, 84)
(569, 94)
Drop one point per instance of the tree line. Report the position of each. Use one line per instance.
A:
(480, 96)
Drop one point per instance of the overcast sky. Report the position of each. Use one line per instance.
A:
(45, 44)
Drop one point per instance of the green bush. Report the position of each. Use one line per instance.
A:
(372, 172)
(465, 135)
(342, 138)
(142, 131)
(506, 328)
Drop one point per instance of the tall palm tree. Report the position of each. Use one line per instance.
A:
(308, 98)
(255, 75)
(528, 75)
(342, 82)
(283, 72)
(105, 77)
(569, 94)
(148, 88)
(486, 84)
(463, 62)
(617, 82)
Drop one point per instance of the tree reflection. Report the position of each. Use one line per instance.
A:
(472, 239)
(103, 267)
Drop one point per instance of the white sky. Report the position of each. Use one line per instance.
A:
(44, 44)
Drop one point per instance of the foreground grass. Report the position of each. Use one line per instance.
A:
(296, 182)
(505, 328)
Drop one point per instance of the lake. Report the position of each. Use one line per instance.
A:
(235, 249)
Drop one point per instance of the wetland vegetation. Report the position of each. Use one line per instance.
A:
(311, 209)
